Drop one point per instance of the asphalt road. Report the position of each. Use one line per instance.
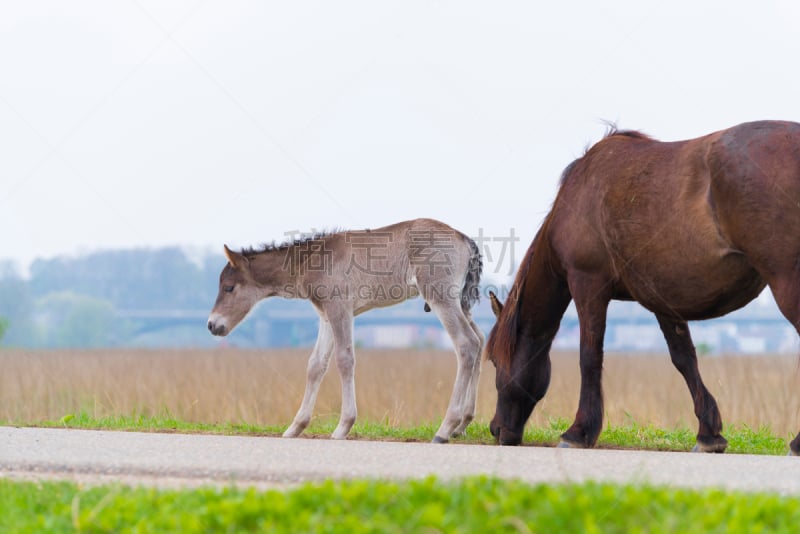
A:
(178, 460)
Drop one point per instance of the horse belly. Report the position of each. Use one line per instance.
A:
(695, 291)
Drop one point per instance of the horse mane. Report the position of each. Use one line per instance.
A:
(503, 340)
(249, 252)
(612, 130)
(567, 171)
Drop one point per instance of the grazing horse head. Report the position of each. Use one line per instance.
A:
(505, 432)
(237, 295)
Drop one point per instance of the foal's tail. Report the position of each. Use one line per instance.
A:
(471, 292)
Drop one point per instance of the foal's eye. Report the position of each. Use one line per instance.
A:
(227, 289)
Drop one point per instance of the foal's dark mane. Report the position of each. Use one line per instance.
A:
(249, 252)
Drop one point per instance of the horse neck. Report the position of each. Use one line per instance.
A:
(533, 312)
(544, 298)
(272, 272)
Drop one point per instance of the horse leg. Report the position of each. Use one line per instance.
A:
(684, 357)
(467, 344)
(468, 408)
(346, 363)
(591, 295)
(317, 367)
(787, 296)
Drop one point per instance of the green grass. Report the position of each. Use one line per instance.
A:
(632, 435)
(470, 505)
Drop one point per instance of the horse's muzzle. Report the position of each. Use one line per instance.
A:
(502, 435)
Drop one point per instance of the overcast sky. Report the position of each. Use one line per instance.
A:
(148, 123)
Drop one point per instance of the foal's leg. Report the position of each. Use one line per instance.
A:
(342, 328)
(684, 357)
(467, 344)
(468, 408)
(591, 295)
(317, 367)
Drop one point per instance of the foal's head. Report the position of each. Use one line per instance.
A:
(238, 293)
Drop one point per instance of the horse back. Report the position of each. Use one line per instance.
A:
(686, 228)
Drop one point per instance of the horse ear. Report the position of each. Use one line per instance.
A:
(497, 306)
(234, 258)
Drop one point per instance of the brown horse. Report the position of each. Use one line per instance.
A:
(690, 229)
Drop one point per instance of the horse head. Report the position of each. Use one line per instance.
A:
(237, 295)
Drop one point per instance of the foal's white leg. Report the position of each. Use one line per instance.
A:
(346, 363)
(471, 397)
(467, 344)
(317, 367)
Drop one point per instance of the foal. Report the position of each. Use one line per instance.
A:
(347, 273)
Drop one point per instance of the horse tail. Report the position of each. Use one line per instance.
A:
(470, 293)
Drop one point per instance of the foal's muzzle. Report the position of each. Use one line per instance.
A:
(217, 329)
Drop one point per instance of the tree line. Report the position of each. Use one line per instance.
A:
(75, 301)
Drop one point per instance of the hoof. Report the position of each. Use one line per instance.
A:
(509, 438)
(340, 434)
(295, 429)
(718, 445)
(564, 444)
(437, 439)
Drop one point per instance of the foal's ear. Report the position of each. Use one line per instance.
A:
(235, 259)
(497, 306)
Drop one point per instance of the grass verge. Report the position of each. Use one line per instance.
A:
(469, 505)
(632, 435)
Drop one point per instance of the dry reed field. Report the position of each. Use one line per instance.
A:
(397, 387)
